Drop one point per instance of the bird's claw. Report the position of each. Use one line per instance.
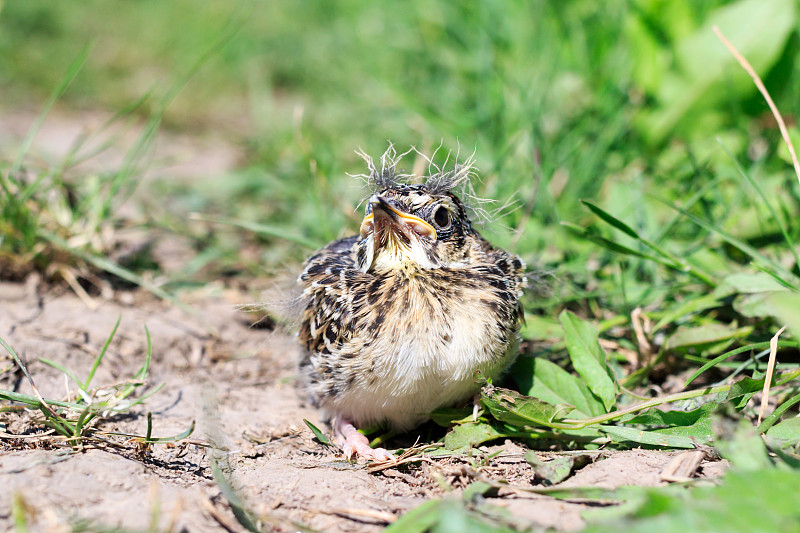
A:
(353, 443)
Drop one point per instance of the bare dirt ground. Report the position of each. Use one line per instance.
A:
(238, 384)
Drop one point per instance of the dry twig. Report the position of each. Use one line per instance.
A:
(763, 90)
(773, 353)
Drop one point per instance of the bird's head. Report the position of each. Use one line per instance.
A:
(413, 226)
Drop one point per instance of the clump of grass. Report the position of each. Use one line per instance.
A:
(65, 229)
(76, 421)
(62, 228)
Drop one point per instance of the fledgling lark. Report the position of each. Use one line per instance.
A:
(399, 318)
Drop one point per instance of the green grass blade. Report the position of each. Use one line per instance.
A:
(611, 220)
(790, 244)
(141, 399)
(75, 156)
(57, 423)
(263, 229)
(45, 407)
(66, 80)
(789, 279)
(692, 305)
(666, 230)
(774, 276)
(672, 261)
(64, 371)
(113, 268)
(99, 357)
(615, 247)
(147, 439)
(778, 413)
(318, 433)
(83, 419)
(33, 401)
(141, 148)
(141, 375)
(242, 513)
(727, 355)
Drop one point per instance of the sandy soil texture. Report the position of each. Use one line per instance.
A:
(238, 384)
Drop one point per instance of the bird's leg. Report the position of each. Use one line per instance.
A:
(476, 406)
(354, 443)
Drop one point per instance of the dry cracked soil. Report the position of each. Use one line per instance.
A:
(237, 384)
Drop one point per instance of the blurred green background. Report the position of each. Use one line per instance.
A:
(633, 163)
(634, 106)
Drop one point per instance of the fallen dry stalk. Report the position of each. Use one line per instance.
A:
(683, 467)
(380, 516)
(773, 354)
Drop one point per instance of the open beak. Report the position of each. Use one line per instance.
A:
(386, 217)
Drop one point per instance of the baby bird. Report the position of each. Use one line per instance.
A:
(399, 318)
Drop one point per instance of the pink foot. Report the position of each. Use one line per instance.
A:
(352, 442)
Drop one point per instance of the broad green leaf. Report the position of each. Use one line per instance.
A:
(705, 335)
(518, 410)
(785, 433)
(786, 306)
(445, 516)
(540, 327)
(695, 423)
(762, 500)
(420, 519)
(744, 389)
(549, 382)
(745, 448)
(651, 438)
(558, 468)
(756, 305)
(588, 358)
(476, 490)
(707, 71)
(748, 283)
(755, 291)
(467, 435)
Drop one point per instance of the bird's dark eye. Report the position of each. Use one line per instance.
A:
(441, 217)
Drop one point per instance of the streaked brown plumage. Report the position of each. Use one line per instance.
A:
(400, 317)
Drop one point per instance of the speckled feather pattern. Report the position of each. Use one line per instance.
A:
(390, 338)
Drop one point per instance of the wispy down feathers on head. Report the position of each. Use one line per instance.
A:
(458, 179)
(438, 181)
